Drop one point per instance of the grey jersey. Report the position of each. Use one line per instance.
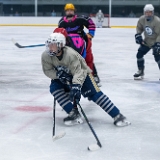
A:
(151, 30)
(71, 60)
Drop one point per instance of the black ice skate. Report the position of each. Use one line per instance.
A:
(73, 118)
(121, 121)
(139, 75)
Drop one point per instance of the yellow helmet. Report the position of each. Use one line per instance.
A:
(69, 6)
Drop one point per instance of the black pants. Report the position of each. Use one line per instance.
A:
(141, 52)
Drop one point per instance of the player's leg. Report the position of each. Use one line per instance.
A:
(89, 60)
(157, 59)
(98, 26)
(60, 92)
(91, 90)
(89, 56)
(140, 61)
(100, 23)
(95, 75)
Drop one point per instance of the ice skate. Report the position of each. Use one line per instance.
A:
(139, 75)
(121, 121)
(73, 118)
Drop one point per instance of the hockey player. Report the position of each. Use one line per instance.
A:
(99, 18)
(149, 24)
(71, 41)
(70, 77)
(75, 25)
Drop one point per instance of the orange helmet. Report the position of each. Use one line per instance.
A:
(69, 6)
(62, 31)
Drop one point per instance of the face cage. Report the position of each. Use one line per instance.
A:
(149, 18)
(53, 53)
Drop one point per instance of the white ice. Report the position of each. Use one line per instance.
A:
(26, 104)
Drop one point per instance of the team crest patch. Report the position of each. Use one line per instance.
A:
(148, 30)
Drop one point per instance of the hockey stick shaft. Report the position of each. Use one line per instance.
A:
(61, 134)
(28, 46)
(90, 126)
(54, 110)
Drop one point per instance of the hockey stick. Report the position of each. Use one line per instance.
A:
(29, 46)
(60, 135)
(92, 147)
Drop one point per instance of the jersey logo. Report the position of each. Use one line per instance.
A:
(148, 30)
(62, 68)
(69, 29)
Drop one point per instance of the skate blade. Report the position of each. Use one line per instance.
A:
(74, 122)
(139, 78)
(123, 123)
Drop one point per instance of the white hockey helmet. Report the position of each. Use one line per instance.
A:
(148, 7)
(58, 39)
(100, 11)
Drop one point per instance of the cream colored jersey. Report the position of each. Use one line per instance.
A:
(151, 30)
(71, 60)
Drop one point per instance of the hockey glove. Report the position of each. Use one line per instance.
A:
(156, 48)
(138, 38)
(75, 92)
(64, 77)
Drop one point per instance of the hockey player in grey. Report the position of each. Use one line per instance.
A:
(100, 19)
(149, 24)
(70, 77)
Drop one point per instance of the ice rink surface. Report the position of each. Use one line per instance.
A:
(26, 104)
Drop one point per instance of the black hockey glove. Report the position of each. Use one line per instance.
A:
(156, 48)
(64, 77)
(75, 92)
(138, 38)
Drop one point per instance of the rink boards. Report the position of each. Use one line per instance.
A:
(53, 21)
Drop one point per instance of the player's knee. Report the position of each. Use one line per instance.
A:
(139, 55)
(95, 97)
(55, 85)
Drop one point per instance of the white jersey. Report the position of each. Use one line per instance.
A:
(100, 16)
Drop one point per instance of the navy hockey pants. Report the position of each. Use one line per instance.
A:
(89, 89)
(141, 52)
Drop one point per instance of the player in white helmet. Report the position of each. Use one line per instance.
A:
(99, 18)
(70, 77)
(149, 24)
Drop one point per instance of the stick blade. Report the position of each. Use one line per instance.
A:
(17, 44)
(58, 136)
(94, 147)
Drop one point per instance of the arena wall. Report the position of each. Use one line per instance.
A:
(53, 21)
